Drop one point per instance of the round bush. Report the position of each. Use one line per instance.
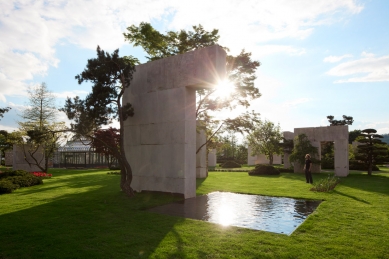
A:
(264, 170)
(230, 164)
(7, 186)
(13, 180)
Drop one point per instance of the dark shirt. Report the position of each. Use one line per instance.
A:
(308, 163)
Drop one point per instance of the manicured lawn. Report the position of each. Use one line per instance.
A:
(83, 214)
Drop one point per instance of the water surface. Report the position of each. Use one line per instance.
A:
(273, 214)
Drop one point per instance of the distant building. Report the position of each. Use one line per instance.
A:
(78, 153)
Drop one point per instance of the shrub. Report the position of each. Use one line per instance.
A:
(356, 165)
(25, 181)
(264, 170)
(286, 170)
(327, 163)
(230, 164)
(13, 173)
(13, 180)
(326, 184)
(7, 186)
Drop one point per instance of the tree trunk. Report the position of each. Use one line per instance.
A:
(126, 178)
(271, 159)
(369, 172)
(125, 168)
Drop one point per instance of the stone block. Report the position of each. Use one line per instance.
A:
(22, 159)
(212, 159)
(161, 136)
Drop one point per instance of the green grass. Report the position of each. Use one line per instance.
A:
(83, 214)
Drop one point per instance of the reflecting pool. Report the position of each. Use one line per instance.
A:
(273, 214)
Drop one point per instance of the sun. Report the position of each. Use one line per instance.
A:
(225, 89)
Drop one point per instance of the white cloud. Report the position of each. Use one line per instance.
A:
(71, 94)
(334, 59)
(296, 102)
(261, 21)
(369, 69)
(31, 29)
(367, 55)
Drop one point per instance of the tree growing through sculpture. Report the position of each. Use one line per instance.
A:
(110, 75)
(265, 139)
(372, 150)
(240, 70)
(303, 146)
(347, 120)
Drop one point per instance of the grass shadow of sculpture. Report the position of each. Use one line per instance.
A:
(94, 221)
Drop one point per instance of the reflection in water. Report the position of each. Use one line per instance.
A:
(279, 215)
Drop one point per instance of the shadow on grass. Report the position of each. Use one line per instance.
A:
(373, 183)
(350, 196)
(199, 182)
(95, 223)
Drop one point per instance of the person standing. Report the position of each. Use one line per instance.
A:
(307, 168)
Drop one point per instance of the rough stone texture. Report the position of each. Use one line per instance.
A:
(287, 135)
(250, 159)
(201, 156)
(8, 159)
(19, 161)
(212, 160)
(337, 134)
(261, 159)
(160, 139)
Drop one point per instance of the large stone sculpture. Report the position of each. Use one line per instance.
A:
(316, 135)
(261, 158)
(22, 159)
(160, 140)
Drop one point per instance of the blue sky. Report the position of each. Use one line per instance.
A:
(318, 58)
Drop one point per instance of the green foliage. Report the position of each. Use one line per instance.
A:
(4, 110)
(158, 45)
(325, 184)
(347, 120)
(110, 75)
(372, 150)
(264, 170)
(12, 180)
(302, 147)
(361, 166)
(40, 126)
(230, 164)
(352, 135)
(265, 139)
(7, 186)
(327, 155)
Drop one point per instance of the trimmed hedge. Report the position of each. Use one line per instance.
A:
(264, 170)
(230, 164)
(12, 180)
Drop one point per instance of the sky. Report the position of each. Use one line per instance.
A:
(318, 58)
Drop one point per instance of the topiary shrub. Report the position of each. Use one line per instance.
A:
(264, 170)
(230, 164)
